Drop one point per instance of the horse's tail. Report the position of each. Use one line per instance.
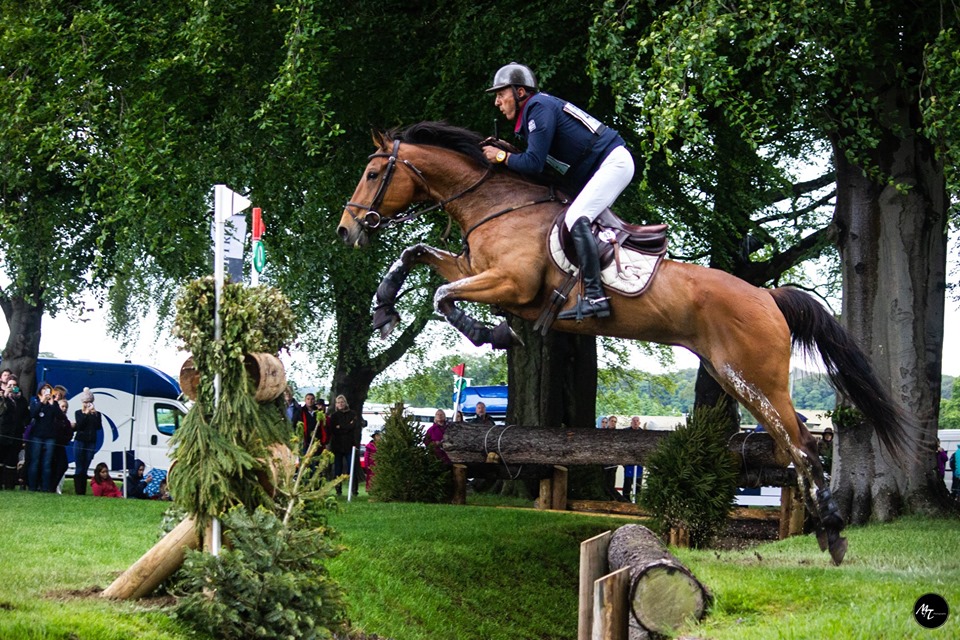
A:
(811, 325)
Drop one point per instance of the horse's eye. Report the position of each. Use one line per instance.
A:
(372, 175)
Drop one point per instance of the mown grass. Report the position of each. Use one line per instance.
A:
(413, 572)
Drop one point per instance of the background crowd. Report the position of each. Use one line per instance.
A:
(38, 440)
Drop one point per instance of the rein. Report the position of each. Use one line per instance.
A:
(551, 197)
(373, 220)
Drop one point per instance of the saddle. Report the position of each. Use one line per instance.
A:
(612, 233)
(629, 257)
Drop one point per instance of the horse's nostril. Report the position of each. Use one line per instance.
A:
(342, 232)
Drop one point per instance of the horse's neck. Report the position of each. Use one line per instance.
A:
(450, 176)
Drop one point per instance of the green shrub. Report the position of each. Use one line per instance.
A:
(406, 470)
(269, 580)
(691, 478)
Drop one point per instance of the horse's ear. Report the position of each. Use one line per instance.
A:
(379, 139)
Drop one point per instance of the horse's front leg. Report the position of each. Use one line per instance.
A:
(488, 287)
(385, 315)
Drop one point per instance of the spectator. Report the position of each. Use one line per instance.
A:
(941, 461)
(64, 437)
(955, 467)
(155, 482)
(825, 449)
(102, 484)
(369, 454)
(612, 422)
(43, 440)
(344, 426)
(481, 417)
(89, 423)
(459, 417)
(289, 405)
(602, 422)
(312, 421)
(12, 423)
(164, 491)
(633, 473)
(434, 436)
(137, 481)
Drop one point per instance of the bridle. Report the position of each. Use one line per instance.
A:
(372, 218)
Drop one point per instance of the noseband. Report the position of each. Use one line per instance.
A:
(372, 218)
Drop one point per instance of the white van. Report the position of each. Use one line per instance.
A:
(140, 405)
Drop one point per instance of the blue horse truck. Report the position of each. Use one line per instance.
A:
(493, 396)
(140, 405)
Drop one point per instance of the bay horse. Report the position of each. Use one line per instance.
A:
(743, 334)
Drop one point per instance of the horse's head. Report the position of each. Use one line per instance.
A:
(381, 194)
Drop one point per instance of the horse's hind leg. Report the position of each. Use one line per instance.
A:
(774, 409)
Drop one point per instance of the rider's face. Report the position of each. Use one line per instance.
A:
(506, 102)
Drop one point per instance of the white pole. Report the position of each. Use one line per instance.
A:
(353, 463)
(220, 215)
(225, 204)
(634, 484)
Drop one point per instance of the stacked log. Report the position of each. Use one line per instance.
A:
(663, 594)
(470, 444)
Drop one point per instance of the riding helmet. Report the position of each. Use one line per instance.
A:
(513, 74)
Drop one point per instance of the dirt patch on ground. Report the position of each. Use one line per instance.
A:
(151, 602)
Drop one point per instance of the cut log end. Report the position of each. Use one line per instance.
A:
(665, 597)
(664, 594)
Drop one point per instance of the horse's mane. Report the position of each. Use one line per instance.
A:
(441, 134)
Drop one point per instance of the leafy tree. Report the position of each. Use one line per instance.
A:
(875, 82)
(431, 385)
(950, 408)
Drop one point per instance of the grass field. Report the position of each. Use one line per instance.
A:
(414, 572)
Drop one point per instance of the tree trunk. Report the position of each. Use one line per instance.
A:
(664, 594)
(893, 251)
(23, 343)
(552, 381)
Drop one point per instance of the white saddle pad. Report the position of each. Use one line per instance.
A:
(636, 269)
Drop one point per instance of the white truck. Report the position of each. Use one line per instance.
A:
(140, 405)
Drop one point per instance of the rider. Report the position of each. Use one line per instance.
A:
(591, 157)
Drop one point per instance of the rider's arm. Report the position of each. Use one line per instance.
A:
(541, 123)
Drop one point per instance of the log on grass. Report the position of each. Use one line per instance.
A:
(467, 443)
(663, 592)
(156, 565)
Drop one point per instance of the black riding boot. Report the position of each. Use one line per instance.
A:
(593, 303)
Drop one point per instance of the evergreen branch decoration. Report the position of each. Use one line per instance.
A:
(221, 447)
(692, 478)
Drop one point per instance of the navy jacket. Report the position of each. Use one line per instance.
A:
(567, 138)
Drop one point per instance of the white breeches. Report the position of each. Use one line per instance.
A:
(608, 182)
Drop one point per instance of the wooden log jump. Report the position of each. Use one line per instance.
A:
(480, 451)
(471, 444)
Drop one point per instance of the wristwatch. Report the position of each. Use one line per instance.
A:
(501, 155)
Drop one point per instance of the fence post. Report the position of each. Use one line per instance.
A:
(559, 488)
(593, 565)
(610, 606)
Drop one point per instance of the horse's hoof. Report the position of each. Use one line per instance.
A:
(503, 337)
(822, 538)
(385, 319)
(838, 549)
